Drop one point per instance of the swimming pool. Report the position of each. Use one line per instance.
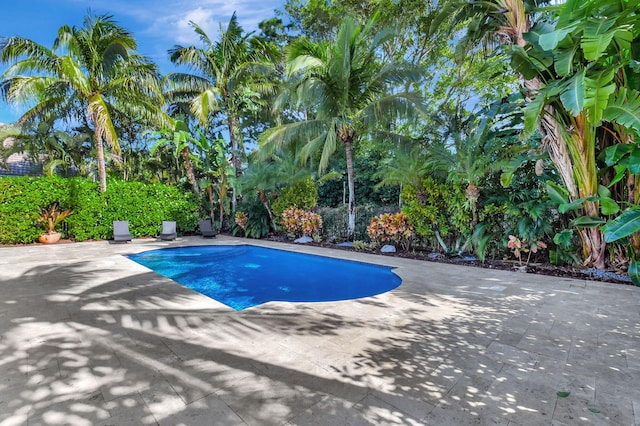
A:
(242, 276)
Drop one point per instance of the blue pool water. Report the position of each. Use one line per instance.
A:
(245, 276)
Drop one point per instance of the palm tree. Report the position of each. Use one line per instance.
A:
(96, 70)
(348, 90)
(231, 77)
(261, 180)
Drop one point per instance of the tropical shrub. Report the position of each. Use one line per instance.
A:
(298, 222)
(53, 216)
(391, 229)
(257, 219)
(521, 246)
(302, 195)
(438, 212)
(241, 220)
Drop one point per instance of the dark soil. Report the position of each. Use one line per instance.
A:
(539, 268)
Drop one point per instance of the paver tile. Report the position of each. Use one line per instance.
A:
(90, 337)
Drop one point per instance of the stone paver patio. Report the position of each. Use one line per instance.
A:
(89, 337)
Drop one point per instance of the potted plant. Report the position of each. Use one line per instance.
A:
(49, 219)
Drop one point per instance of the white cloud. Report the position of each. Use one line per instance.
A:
(171, 22)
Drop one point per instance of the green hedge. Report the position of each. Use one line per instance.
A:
(145, 206)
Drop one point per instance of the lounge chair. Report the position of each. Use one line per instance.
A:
(168, 230)
(206, 228)
(121, 231)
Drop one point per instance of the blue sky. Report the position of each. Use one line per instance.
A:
(157, 25)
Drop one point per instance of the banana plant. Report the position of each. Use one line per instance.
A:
(625, 158)
(587, 61)
(180, 139)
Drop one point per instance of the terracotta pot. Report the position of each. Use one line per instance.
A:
(51, 238)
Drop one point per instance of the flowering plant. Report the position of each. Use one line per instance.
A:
(298, 222)
(52, 216)
(518, 246)
(389, 228)
(241, 219)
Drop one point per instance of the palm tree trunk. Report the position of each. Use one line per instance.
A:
(265, 202)
(212, 214)
(473, 194)
(190, 174)
(235, 137)
(221, 213)
(102, 172)
(352, 189)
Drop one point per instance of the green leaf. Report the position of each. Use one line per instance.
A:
(506, 178)
(587, 222)
(563, 394)
(532, 113)
(622, 226)
(634, 272)
(558, 194)
(634, 161)
(574, 96)
(575, 205)
(533, 35)
(594, 410)
(614, 153)
(541, 60)
(608, 206)
(549, 40)
(563, 238)
(603, 191)
(564, 61)
(599, 89)
(621, 171)
(597, 37)
(522, 64)
(625, 109)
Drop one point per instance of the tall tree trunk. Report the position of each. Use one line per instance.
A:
(582, 139)
(221, 213)
(265, 202)
(102, 172)
(593, 247)
(473, 194)
(352, 188)
(236, 143)
(211, 204)
(190, 174)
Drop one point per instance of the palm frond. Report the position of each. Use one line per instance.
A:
(98, 110)
(205, 103)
